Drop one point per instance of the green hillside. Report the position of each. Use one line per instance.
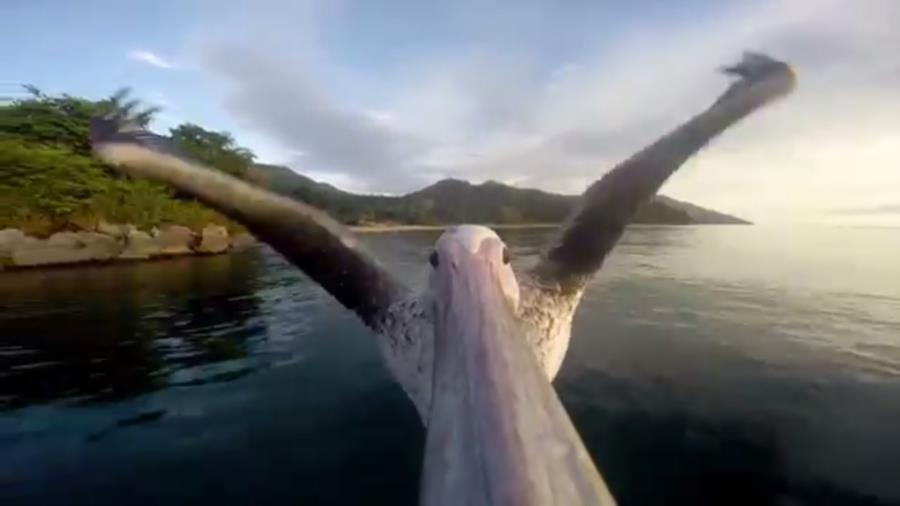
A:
(49, 180)
(454, 201)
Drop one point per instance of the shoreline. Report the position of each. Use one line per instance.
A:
(109, 243)
(374, 229)
(124, 243)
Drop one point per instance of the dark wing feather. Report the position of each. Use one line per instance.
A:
(610, 204)
(322, 248)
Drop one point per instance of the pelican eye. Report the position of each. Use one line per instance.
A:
(433, 259)
(506, 256)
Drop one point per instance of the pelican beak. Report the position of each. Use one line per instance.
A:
(497, 433)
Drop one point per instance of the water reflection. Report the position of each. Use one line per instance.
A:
(679, 457)
(707, 367)
(108, 333)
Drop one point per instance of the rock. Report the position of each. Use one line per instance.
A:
(9, 239)
(140, 246)
(117, 231)
(113, 242)
(103, 246)
(66, 248)
(64, 240)
(174, 240)
(213, 239)
(241, 242)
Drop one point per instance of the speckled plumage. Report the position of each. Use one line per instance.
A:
(546, 314)
(406, 342)
(406, 336)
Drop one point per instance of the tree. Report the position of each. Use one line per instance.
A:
(61, 121)
(216, 149)
(50, 180)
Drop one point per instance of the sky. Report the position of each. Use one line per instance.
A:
(386, 97)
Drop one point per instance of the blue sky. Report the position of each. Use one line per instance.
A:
(389, 96)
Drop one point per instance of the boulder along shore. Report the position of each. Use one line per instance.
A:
(110, 243)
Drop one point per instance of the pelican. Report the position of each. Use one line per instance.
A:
(475, 352)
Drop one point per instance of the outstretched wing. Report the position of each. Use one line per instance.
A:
(552, 290)
(610, 204)
(322, 248)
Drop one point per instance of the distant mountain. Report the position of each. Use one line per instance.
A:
(455, 201)
(701, 215)
(284, 180)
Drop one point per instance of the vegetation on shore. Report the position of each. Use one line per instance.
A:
(50, 181)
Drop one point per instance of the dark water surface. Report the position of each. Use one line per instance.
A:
(717, 365)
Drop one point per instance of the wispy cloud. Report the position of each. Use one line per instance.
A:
(151, 58)
(481, 111)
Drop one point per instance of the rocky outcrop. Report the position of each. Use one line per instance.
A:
(175, 240)
(213, 239)
(241, 242)
(66, 248)
(10, 238)
(117, 231)
(111, 242)
(139, 246)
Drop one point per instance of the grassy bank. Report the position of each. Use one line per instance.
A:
(50, 181)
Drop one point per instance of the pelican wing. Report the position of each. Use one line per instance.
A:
(322, 248)
(610, 203)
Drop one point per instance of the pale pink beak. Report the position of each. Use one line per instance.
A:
(497, 433)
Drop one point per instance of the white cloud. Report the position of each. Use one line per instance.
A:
(151, 58)
(483, 114)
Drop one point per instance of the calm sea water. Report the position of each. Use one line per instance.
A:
(709, 365)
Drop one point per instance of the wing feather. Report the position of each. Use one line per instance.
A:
(322, 248)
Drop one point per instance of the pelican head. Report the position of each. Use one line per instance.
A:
(497, 433)
(471, 263)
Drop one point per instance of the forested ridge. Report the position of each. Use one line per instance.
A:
(455, 201)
